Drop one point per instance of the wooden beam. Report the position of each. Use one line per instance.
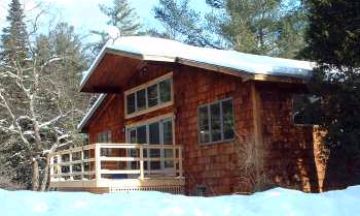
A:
(272, 78)
(257, 122)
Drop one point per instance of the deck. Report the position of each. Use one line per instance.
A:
(113, 167)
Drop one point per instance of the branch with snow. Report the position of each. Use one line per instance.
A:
(54, 120)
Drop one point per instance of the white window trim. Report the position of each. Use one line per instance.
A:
(145, 86)
(222, 140)
(152, 120)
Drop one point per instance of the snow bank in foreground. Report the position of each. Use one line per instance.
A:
(273, 202)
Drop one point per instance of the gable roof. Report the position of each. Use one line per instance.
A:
(165, 50)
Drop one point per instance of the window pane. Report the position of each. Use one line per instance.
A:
(132, 152)
(204, 125)
(154, 153)
(168, 153)
(152, 95)
(155, 165)
(130, 103)
(165, 91)
(154, 135)
(141, 134)
(108, 139)
(140, 100)
(169, 164)
(215, 122)
(167, 132)
(228, 119)
(132, 135)
(104, 137)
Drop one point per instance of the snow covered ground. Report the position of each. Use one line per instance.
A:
(273, 202)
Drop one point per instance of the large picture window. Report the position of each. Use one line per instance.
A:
(158, 132)
(150, 96)
(216, 122)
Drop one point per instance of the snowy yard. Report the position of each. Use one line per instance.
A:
(273, 202)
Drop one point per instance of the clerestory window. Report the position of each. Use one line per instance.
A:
(149, 96)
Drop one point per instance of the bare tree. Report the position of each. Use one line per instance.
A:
(39, 102)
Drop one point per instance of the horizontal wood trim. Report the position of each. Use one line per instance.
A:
(105, 171)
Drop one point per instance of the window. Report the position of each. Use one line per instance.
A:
(153, 133)
(165, 91)
(104, 137)
(153, 95)
(216, 122)
(150, 96)
(130, 105)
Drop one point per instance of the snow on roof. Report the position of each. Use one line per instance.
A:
(159, 49)
(91, 111)
(273, 202)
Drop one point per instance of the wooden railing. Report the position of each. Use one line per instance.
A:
(116, 161)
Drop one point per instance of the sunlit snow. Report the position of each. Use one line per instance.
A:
(275, 202)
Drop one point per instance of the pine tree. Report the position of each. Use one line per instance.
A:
(14, 37)
(267, 27)
(182, 23)
(121, 16)
(333, 42)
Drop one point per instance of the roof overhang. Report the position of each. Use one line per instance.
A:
(109, 70)
(113, 68)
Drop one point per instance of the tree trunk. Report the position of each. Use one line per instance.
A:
(44, 182)
(35, 175)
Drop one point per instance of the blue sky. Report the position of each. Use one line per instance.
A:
(84, 15)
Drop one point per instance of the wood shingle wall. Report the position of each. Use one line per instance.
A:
(287, 153)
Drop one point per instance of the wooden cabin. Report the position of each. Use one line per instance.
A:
(183, 119)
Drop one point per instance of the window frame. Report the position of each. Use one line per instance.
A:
(160, 119)
(145, 86)
(208, 105)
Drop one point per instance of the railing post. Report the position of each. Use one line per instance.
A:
(82, 164)
(97, 164)
(180, 162)
(59, 161)
(71, 166)
(141, 162)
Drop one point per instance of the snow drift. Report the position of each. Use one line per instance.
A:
(273, 202)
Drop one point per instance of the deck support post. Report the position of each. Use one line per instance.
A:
(141, 149)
